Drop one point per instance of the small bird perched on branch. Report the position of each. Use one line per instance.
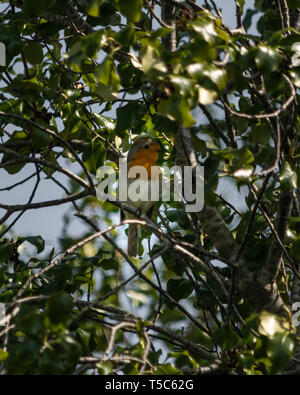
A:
(143, 152)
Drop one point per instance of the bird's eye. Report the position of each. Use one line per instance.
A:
(146, 146)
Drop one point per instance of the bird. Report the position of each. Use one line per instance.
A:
(143, 152)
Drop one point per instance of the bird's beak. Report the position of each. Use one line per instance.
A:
(157, 148)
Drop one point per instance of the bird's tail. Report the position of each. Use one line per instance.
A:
(132, 239)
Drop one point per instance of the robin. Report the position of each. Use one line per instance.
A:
(143, 152)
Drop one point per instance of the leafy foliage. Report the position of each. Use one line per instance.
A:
(81, 79)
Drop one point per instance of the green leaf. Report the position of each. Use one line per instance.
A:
(6, 296)
(51, 158)
(152, 62)
(6, 251)
(270, 324)
(33, 84)
(22, 356)
(162, 124)
(287, 177)
(35, 8)
(40, 139)
(179, 288)
(105, 122)
(295, 250)
(176, 109)
(167, 369)
(245, 104)
(92, 42)
(295, 74)
(127, 116)
(126, 37)
(241, 3)
(94, 155)
(226, 337)
(261, 133)
(105, 92)
(211, 184)
(200, 145)
(3, 355)
(154, 356)
(293, 4)
(202, 73)
(71, 348)
(105, 368)
(94, 8)
(107, 262)
(34, 53)
(84, 337)
(267, 59)
(258, 226)
(51, 363)
(37, 241)
(105, 70)
(131, 9)
(247, 21)
(13, 168)
(183, 359)
(241, 124)
(107, 76)
(243, 156)
(280, 349)
(11, 38)
(205, 30)
(129, 75)
(171, 263)
(207, 96)
(180, 217)
(59, 308)
(290, 42)
(30, 320)
(86, 47)
(184, 86)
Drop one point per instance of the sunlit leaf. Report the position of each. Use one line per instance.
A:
(288, 177)
(267, 59)
(131, 9)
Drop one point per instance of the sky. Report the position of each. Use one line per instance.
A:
(48, 222)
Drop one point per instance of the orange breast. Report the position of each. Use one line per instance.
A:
(145, 158)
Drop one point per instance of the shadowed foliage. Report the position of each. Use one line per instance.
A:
(212, 292)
